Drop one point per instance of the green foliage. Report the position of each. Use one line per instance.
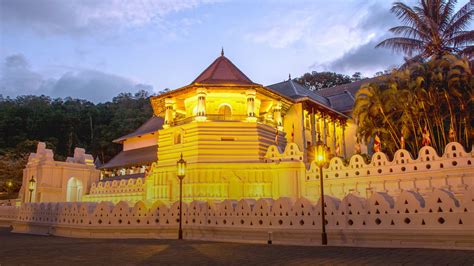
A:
(437, 94)
(320, 80)
(65, 124)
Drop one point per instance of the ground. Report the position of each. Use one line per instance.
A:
(16, 249)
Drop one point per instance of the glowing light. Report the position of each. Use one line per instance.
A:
(321, 152)
(181, 167)
(31, 184)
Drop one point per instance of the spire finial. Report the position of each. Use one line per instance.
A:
(289, 76)
(222, 51)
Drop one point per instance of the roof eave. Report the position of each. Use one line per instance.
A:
(306, 98)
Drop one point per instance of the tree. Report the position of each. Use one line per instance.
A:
(432, 28)
(320, 80)
(356, 76)
(438, 95)
(65, 124)
(373, 111)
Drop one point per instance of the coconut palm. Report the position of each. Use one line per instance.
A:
(432, 28)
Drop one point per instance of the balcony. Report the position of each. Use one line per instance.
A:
(222, 118)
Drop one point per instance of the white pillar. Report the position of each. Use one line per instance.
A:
(251, 95)
(201, 104)
(169, 112)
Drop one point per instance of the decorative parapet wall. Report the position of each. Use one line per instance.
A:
(453, 171)
(8, 214)
(131, 190)
(438, 220)
(291, 154)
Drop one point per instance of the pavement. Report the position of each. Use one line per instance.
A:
(21, 249)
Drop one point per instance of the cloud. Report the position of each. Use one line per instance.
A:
(284, 31)
(364, 58)
(92, 85)
(17, 78)
(337, 35)
(89, 16)
(372, 27)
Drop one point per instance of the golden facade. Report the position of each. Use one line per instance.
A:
(229, 130)
(224, 125)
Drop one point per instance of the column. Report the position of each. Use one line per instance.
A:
(303, 123)
(344, 140)
(334, 136)
(169, 112)
(313, 127)
(277, 116)
(324, 130)
(201, 104)
(251, 116)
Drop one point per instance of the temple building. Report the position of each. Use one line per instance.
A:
(138, 152)
(240, 140)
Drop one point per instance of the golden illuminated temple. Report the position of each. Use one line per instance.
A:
(240, 140)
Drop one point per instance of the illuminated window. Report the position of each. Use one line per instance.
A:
(178, 139)
(225, 113)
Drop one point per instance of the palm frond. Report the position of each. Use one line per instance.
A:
(409, 32)
(460, 20)
(407, 15)
(462, 39)
(406, 45)
(447, 13)
(467, 52)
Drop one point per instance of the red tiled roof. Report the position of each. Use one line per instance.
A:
(152, 125)
(140, 156)
(222, 70)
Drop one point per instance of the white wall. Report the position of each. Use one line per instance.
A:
(439, 220)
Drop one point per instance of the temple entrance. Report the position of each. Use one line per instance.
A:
(74, 190)
(225, 113)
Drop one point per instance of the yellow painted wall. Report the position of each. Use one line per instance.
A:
(293, 124)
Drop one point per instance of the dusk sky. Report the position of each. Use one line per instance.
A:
(96, 49)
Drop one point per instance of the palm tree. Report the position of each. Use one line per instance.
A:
(438, 95)
(432, 28)
(374, 109)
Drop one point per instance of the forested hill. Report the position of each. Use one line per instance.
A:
(65, 124)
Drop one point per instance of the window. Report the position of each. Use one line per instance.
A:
(225, 113)
(178, 138)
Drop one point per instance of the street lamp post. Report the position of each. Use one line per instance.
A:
(181, 169)
(31, 186)
(321, 157)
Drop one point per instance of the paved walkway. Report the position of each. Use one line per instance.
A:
(16, 249)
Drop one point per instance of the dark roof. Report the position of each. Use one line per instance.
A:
(152, 125)
(222, 70)
(120, 177)
(133, 157)
(294, 90)
(342, 102)
(342, 97)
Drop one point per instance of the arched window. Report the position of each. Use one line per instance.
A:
(225, 113)
(178, 139)
(74, 190)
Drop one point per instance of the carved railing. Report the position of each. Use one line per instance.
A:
(410, 210)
